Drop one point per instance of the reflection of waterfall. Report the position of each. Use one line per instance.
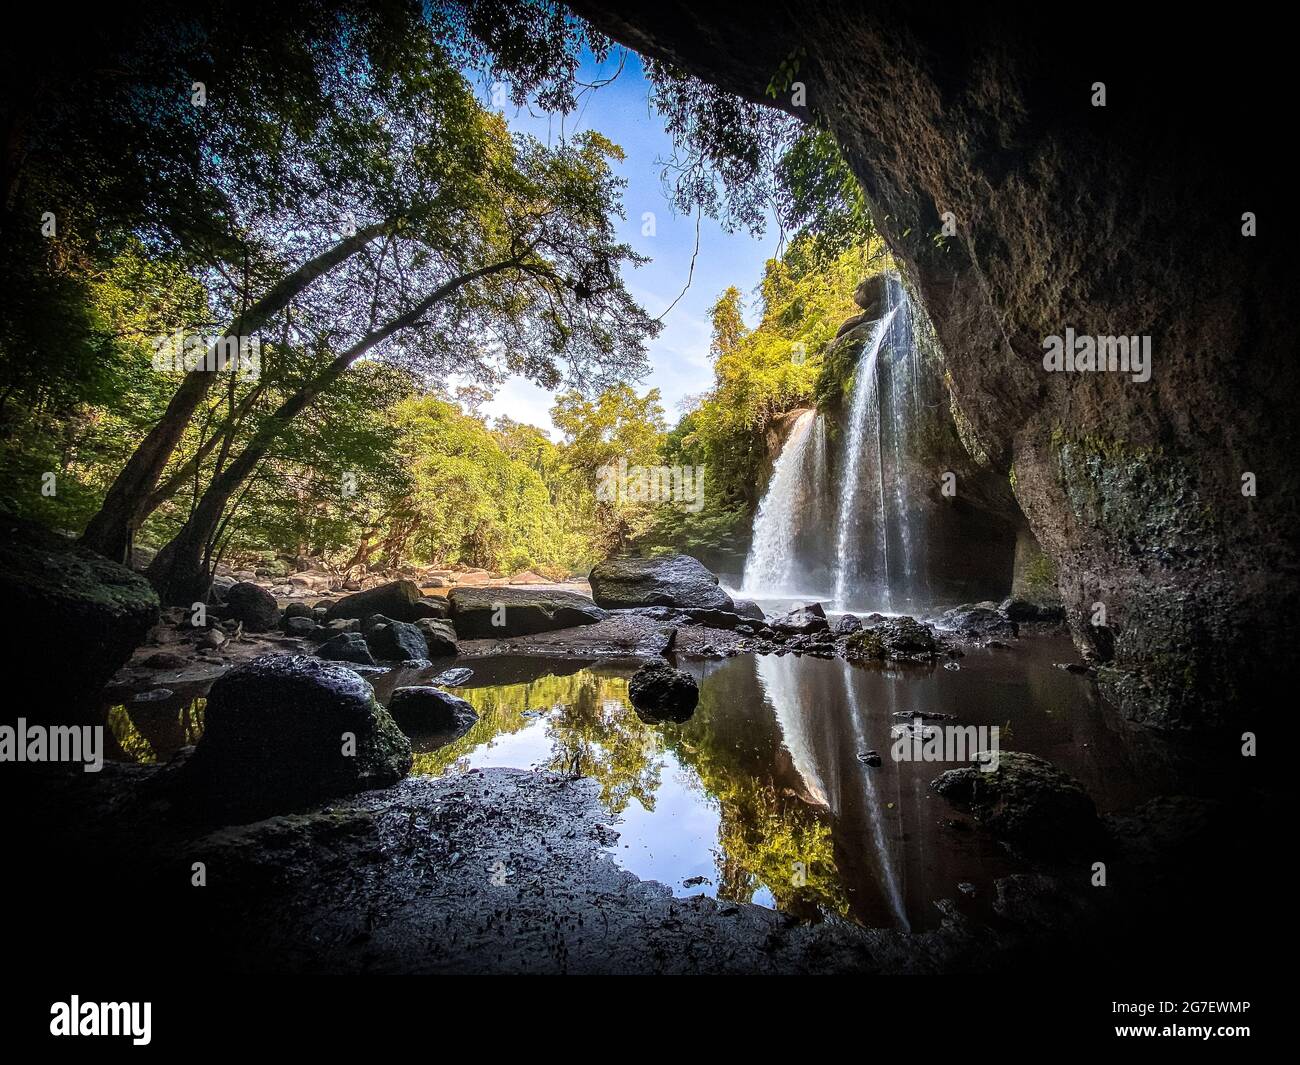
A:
(798, 482)
(825, 755)
(855, 543)
(875, 807)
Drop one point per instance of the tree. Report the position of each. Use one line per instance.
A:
(617, 426)
(728, 323)
(508, 255)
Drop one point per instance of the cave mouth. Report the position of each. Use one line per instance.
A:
(1008, 748)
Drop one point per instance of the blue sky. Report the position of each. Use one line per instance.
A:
(679, 356)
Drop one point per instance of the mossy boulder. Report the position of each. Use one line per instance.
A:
(71, 616)
(286, 731)
(1028, 803)
(893, 638)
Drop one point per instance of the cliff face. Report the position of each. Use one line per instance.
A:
(1117, 220)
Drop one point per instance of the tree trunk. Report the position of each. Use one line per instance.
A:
(178, 571)
(127, 502)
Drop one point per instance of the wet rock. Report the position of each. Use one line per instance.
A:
(802, 620)
(156, 695)
(340, 625)
(713, 619)
(452, 678)
(674, 580)
(300, 627)
(70, 616)
(284, 731)
(430, 606)
(893, 638)
(346, 647)
(439, 636)
(397, 600)
(847, 625)
(1073, 667)
(298, 610)
(423, 709)
(750, 610)
(397, 641)
(1026, 802)
(211, 640)
(871, 295)
(253, 605)
(1022, 610)
(484, 612)
(660, 692)
(977, 620)
(869, 758)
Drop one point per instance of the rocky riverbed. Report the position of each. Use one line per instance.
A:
(268, 822)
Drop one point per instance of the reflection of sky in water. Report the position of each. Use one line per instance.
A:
(671, 843)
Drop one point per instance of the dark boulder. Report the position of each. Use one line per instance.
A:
(484, 612)
(1022, 610)
(672, 580)
(713, 619)
(439, 636)
(253, 605)
(1028, 803)
(298, 610)
(872, 295)
(750, 610)
(346, 647)
(300, 627)
(977, 620)
(802, 620)
(847, 625)
(71, 617)
(898, 638)
(397, 600)
(453, 678)
(397, 641)
(430, 606)
(424, 709)
(660, 692)
(286, 731)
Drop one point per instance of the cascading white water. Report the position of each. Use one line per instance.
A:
(864, 436)
(771, 568)
(851, 543)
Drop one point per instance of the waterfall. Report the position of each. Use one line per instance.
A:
(772, 567)
(852, 544)
(876, 562)
(864, 441)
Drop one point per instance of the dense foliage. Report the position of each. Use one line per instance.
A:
(323, 177)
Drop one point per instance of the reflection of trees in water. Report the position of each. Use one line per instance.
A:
(501, 709)
(151, 734)
(766, 833)
(129, 737)
(731, 749)
(600, 736)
